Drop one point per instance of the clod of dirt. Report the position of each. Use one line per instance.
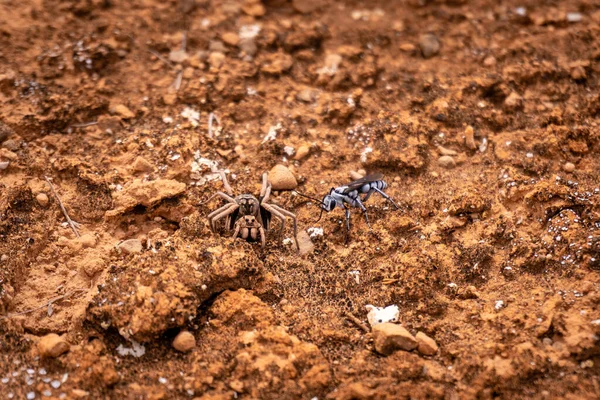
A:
(306, 6)
(254, 8)
(447, 162)
(131, 246)
(513, 101)
(427, 345)
(240, 309)
(122, 111)
(569, 167)
(388, 337)
(140, 164)
(52, 346)
(282, 178)
(146, 194)
(42, 199)
(184, 342)
(429, 44)
(5, 131)
(295, 368)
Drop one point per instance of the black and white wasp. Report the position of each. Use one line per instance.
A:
(348, 196)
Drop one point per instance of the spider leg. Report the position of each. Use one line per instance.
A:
(237, 230)
(292, 216)
(261, 231)
(224, 211)
(265, 190)
(369, 193)
(225, 183)
(388, 198)
(270, 208)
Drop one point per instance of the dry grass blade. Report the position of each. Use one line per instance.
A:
(62, 207)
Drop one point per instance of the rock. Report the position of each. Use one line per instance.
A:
(306, 245)
(231, 38)
(78, 393)
(122, 111)
(470, 138)
(302, 152)
(569, 167)
(4, 164)
(281, 178)
(578, 73)
(427, 345)
(178, 56)
(11, 144)
(131, 246)
(5, 131)
(446, 152)
(184, 342)
(216, 59)
(513, 101)
(248, 47)
(446, 162)
(217, 46)
(306, 95)
(42, 199)
(52, 346)
(254, 8)
(356, 175)
(408, 47)
(142, 165)
(429, 44)
(381, 315)
(389, 337)
(306, 6)
(489, 61)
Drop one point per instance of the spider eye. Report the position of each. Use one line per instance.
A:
(380, 320)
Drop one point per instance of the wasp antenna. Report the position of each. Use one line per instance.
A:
(320, 215)
(308, 197)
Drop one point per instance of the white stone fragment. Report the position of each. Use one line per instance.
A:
(379, 315)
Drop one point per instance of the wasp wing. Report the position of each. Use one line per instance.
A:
(362, 181)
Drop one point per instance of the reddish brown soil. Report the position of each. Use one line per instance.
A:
(494, 253)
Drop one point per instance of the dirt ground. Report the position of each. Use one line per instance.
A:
(482, 115)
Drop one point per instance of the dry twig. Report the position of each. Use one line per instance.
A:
(356, 321)
(62, 207)
(47, 304)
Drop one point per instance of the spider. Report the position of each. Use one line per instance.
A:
(248, 228)
(248, 205)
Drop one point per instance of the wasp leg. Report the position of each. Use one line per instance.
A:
(388, 198)
(364, 210)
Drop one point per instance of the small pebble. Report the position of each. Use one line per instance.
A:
(302, 152)
(306, 95)
(248, 47)
(4, 164)
(408, 47)
(231, 38)
(569, 167)
(389, 337)
(305, 243)
(131, 246)
(427, 345)
(281, 178)
(574, 17)
(52, 346)
(216, 59)
(446, 162)
(513, 100)
(178, 56)
(429, 44)
(184, 342)
(141, 165)
(446, 152)
(122, 111)
(470, 138)
(42, 199)
(12, 145)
